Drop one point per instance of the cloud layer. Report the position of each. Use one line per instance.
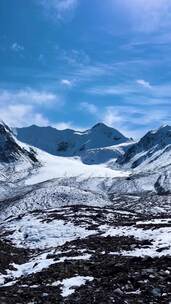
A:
(59, 9)
(24, 107)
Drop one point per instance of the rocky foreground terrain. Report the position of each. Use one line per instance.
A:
(84, 254)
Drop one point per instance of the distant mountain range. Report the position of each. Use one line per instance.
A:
(102, 144)
(96, 145)
(70, 142)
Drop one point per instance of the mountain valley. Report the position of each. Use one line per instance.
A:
(85, 217)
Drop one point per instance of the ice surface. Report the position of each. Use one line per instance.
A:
(56, 167)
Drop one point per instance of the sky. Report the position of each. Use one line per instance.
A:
(73, 63)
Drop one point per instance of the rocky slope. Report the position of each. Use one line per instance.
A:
(17, 161)
(151, 152)
(150, 162)
(85, 254)
(10, 150)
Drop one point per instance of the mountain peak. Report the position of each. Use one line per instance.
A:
(100, 125)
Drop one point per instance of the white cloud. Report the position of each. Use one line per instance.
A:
(147, 15)
(22, 115)
(63, 5)
(86, 72)
(24, 107)
(133, 120)
(144, 83)
(66, 82)
(112, 116)
(17, 47)
(121, 89)
(59, 9)
(28, 96)
(78, 58)
(88, 107)
(63, 125)
(67, 125)
(143, 91)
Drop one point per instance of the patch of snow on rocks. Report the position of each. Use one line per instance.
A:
(31, 232)
(35, 265)
(159, 237)
(69, 284)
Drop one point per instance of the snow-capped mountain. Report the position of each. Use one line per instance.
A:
(22, 165)
(135, 167)
(152, 152)
(126, 167)
(90, 144)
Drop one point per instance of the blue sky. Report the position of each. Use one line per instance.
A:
(73, 63)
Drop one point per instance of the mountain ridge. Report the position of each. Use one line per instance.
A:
(149, 149)
(68, 143)
(135, 166)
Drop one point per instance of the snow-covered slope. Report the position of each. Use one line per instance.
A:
(105, 155)
(163, 183)
(142, 167)
(73, 143)
(23, 167)
(152, 152)
(62, 167)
